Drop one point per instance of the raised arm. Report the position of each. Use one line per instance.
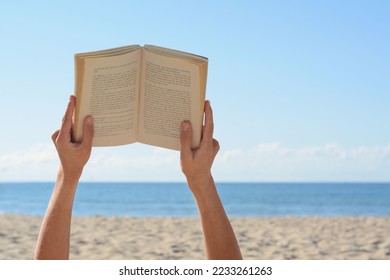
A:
(219, 237)
(53, 240)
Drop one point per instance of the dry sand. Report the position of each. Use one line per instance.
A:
(181, 238)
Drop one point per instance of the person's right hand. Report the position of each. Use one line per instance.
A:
(220, 240)
(196, 163)
(73, 155)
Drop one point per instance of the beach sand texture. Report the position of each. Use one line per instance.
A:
(181, 238)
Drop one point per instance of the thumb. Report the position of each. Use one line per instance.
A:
(88, 131)
(185, 139)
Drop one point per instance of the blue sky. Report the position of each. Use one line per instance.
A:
(300, 89)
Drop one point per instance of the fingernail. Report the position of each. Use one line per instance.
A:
(90, 120)
(184, 126)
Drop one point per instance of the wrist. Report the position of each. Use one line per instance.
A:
(64, 190)
(70, 177)
(203, 189)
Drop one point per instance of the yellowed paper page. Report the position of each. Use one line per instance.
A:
(110, 93)
(169, 94)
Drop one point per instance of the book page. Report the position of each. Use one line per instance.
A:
(169, 94)
(110, 93)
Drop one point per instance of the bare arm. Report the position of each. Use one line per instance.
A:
(220, 240)
(54, 236)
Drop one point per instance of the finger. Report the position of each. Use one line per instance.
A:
(185, 140)
(216, 147)
(67, 119)
(55, 135)
(88, 131)
(208, 128)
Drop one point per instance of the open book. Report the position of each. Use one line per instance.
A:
(140, 94)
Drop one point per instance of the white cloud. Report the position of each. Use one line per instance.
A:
(265, 162)
(155, 159)
(34, 163)
(273, 149)
(40, 163)
(329, 162)
(39, 153)
(149, 164)
(332, 151)
(230, 155)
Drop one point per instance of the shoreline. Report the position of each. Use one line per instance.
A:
(288, 237)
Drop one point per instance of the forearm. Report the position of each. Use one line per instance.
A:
(54, 236)
(220, 240)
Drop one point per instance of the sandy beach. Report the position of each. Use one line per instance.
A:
(181, 238)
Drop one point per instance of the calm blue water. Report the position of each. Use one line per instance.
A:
(174, 199)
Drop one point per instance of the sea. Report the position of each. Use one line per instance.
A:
(176, 200)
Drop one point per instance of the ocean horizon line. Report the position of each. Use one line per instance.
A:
(217, 182)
